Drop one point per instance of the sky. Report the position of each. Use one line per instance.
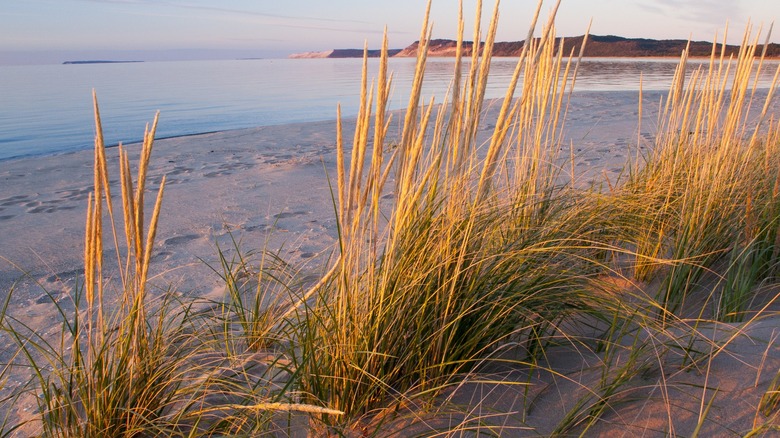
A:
(53, 31)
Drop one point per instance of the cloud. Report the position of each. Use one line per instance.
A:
(711, 12)
(323, 24)
(231, 11)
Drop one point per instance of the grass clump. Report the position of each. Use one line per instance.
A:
(460, 264)
(484, 249)
(258, 297)
(117, 373)
(477, 250)
(134, 365)
(707, 193)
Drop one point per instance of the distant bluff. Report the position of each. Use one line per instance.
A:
(597, 46)
(343, 53)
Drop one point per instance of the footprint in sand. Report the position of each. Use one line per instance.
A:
(14, 200)
(65, 275)
(289, 214)
(263, 227)
(275, 159)
(179, 170)
(48, 207)
(178, 240)
(74, 194)
(227, 168)
(161, 256)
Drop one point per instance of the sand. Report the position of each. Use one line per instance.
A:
(245, 182)
(267, 187)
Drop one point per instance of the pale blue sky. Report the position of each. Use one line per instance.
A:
(50, 31)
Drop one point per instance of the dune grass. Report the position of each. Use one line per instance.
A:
(478, 249)
(459, 265)
(713, 183)
(136, 365)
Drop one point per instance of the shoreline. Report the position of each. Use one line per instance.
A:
(255, 180)
(182, 115)
(262, 187)
(622, 94)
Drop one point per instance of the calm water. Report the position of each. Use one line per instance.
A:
(48, 109)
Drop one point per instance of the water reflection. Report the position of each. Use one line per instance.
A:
(594, 74)
(48, 108)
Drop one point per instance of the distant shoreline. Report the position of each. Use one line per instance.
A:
(97, 61)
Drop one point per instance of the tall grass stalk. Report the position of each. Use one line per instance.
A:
(133, 365)
(477, 247)
(453, 256)
(117, 374)
(709, 187)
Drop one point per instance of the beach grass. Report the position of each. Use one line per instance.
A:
(459, 265)
(714, 186)
(473, 253)
(136, 365)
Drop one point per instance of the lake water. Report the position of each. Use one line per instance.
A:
(48, 109)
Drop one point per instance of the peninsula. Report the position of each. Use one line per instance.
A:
(97, 61)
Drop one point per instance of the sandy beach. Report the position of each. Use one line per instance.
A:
(267, 188)
(252, 183)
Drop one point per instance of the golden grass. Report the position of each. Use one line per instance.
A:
(151, 366)
(712, 184)
(482, 258)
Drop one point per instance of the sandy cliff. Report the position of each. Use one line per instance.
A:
(597, 46)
